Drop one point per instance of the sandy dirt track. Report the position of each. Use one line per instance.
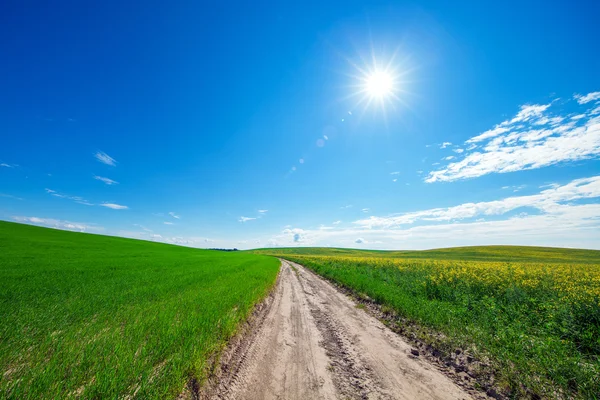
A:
(311, 342)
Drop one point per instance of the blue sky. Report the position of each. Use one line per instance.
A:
(247, 125)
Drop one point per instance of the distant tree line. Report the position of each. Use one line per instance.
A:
(234, 249)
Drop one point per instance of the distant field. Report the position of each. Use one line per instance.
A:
(103, 317)
(472, 253)
(534, 313)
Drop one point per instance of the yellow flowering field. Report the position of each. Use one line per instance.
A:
(538, 321)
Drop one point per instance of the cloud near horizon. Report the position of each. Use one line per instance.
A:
(534, 138)
(59, 224)
(560, 214)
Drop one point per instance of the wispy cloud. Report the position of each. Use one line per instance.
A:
(445, 144)
(143, 228)
(10, 196)
(263, 211)
(534, 138)
(246, 219)
(168, 223)
(548, 201)
(336, 223)
(395, 173)
(105, 158)
(346, 207)
(113, 206)
(365, 210)
(587, 98)
(172, 214)
(59, 224)
(515, 188)
(5, 165)
(76, 199)
(106, 180)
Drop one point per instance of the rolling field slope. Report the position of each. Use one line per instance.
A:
(104, 317)
(530, 315)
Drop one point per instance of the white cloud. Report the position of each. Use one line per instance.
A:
(295, 234)
(5, 165)
(516, 188)
(558, 216)
(172, 214)
(167, 223)
(547, 201)
(59, 224)
(459, 151)
(106, 180)
(497, 130)
(365, 210)
(246, 219)
(532, 139)
(113, 206)
(346, 207)
(587, 98)
(105, 158)
(263, 211)
(336, 223)
(325, 228)
(395, 173)
(445, 144)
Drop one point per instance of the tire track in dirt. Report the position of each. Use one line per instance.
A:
(309, 341)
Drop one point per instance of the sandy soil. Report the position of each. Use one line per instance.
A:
(309, 341)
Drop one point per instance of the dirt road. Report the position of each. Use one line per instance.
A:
(311, 342)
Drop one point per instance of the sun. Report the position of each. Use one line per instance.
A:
(379, 84)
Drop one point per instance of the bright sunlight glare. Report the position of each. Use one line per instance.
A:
(379, 84)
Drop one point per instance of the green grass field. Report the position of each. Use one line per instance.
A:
(532, 313)
(104, 317)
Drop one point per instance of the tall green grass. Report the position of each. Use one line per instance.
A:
(102, 317)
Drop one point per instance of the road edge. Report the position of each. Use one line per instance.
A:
(227, 362)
